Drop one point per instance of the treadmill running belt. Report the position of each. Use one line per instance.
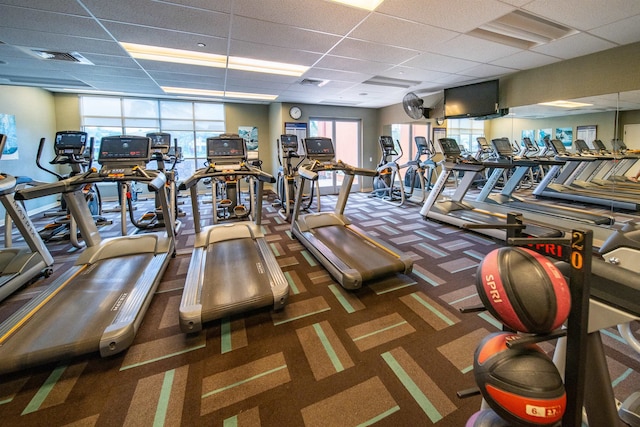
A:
(61, 329)
(234, 275)
(358, 253)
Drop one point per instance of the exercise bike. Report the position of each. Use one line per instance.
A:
(70, 148)
(387, 184)
(287, 179)
(420, 172)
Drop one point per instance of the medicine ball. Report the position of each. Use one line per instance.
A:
(522, 385)
(523, 289)
(487, 418)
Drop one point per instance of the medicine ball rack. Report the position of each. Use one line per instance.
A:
(576, 249)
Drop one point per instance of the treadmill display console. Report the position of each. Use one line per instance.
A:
(319, 147)
(124, 148)
(225, 147)
(502, 147)
(558, 146)
(289, 143)
(581, 146)
(69, 142)
(449, 147)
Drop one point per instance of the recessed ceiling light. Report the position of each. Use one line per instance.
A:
(155, 53)
(369, 5)
(201, 45)
(218, 93)
(565, 104)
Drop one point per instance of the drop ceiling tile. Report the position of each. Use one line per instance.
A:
(272, 53)
(487, 71)
(473, 49)
(58, 42)
(319, 15)
(354, 65)
(584, 14)
(49, 22)
(408, 73)
(161, 15)
(573, 46)
(442, 63)
(524, 60)
(358, 49)
(214, 6)
(399, 32)
(60, 6)
(280, 35)
(166, 38)
(456, 15)
(622, 32)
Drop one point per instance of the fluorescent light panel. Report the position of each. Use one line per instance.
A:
(565, 104)
(179, 56)
(369, 5)
(218, 93)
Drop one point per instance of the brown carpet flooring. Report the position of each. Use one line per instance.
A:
(393, 353)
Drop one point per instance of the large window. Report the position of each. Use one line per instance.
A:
(405, 134)
(465, 132)
(190, 123)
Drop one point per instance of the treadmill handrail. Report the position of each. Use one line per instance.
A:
(310, 171)
(211, 172)
(154, 179)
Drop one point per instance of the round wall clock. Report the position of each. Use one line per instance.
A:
(295, 112)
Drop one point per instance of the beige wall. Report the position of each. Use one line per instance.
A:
(35, 113)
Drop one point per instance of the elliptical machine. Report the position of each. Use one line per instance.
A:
(160, 147)
(287, 179)
(387, 184)
(71, 149)
(419, 174)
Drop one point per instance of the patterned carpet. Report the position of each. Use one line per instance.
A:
(392, 353)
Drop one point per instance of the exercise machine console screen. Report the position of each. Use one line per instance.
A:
(122, 149)
(70, 142)
(502, 147)
(319, 147)
(450, 147)
(289, 143)
(225, 147)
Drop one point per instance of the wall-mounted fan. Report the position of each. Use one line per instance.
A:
(412, 105)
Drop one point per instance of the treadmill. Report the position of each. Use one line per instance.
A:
(502, 148)
(19, 265)
(99, 303)
(456, 211)
(350, 256)
(560, 190)
(232, 268)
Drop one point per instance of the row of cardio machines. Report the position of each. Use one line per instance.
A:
(614, 282)
(389, 184)
(595, 176)
(98, 304)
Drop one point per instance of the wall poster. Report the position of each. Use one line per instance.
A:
(8, 127)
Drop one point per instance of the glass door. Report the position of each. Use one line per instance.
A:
(345, 135)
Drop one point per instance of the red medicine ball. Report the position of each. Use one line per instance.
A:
(522, 385)
(523, 289)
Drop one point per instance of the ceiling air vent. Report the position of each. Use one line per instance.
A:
(391, 82)
(522, 30)
(313, 82)
(60, 56)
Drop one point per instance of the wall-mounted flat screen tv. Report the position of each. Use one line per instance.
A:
(474, 100)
